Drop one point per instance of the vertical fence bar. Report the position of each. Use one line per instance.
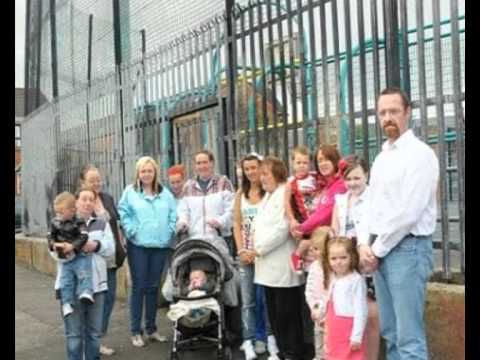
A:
(53, 44)
(459, 126)
(153, 102)
(266, 145)
(235, 126)
(230, 44)
(244, 91)
(166, 86)
(39, 54)
(175, 72)
(119, 95)
(308, 132)
(254, 77)
(283, 85)
(391, 49)
(273, 71)
(376, 68)
(204, 65)
(197, 53)
(422, 85)
(325, 82)
(28, 44)
(313, 111)
(293, 85)
(192, 92)
(441, 137)
(221, 128)
(183, 96)
(178, 66)
(348, 42)
(214, 81)
(363, 81)
(89, 79)
(336, 55)
(405, 57)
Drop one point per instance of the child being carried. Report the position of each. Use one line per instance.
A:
(67, 235)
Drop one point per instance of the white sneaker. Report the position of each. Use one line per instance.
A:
(86, 297)
(260, 347)
(137, 341)
(273, 357)
(272, 348)
(67, 309)
(247, 348)
(105, 350)
(157, 337)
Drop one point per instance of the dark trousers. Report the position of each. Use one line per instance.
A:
(284, 306)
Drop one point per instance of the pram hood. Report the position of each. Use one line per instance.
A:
(191, 248)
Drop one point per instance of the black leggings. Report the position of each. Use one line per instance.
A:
(284, 306)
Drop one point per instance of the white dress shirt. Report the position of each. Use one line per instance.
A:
(403, 185)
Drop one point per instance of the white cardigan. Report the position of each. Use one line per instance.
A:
(359, 212)
(273, 243)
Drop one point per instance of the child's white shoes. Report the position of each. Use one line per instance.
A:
(248, 349)
(272, 348)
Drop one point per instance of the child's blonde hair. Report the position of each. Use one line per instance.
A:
(351, 249)
(300, 150)
(320, 236)
(63, 201)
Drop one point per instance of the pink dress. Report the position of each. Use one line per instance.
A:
(337, 337)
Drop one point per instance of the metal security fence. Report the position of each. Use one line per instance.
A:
(263, 76)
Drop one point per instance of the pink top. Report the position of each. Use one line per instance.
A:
(323, 213)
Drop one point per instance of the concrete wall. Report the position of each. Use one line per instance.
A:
(445, 309)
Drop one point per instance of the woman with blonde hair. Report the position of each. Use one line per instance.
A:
(147, 214)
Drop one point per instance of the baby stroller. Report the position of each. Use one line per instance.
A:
(207, 329)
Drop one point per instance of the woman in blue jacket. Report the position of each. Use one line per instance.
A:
(147, 214)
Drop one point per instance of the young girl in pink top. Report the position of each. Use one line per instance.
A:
(346, 308)
(315, 291)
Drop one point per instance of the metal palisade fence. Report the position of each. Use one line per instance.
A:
(265, 76)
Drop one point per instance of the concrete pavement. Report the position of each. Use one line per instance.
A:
(39, 327)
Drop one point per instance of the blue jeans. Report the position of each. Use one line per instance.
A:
(76, 278)
(146, 265)
(260, 314)
(109, 298)
(248, 292)
(83, 328)
(400, 285)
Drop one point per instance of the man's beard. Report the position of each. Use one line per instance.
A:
(392, 131)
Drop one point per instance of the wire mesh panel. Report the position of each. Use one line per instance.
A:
(39, 169)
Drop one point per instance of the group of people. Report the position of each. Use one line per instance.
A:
(324, 258)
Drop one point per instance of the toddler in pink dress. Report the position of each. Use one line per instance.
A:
(346, 307)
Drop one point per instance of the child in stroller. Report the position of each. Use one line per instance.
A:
(198, 273)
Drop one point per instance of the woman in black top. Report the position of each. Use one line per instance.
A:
(105, 208)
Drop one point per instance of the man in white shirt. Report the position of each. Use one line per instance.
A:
(402, 218)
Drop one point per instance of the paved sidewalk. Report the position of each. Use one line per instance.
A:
(39, 327)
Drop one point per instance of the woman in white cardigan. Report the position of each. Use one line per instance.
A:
(273, 246)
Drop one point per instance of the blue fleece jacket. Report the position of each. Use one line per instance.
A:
(148, 221)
